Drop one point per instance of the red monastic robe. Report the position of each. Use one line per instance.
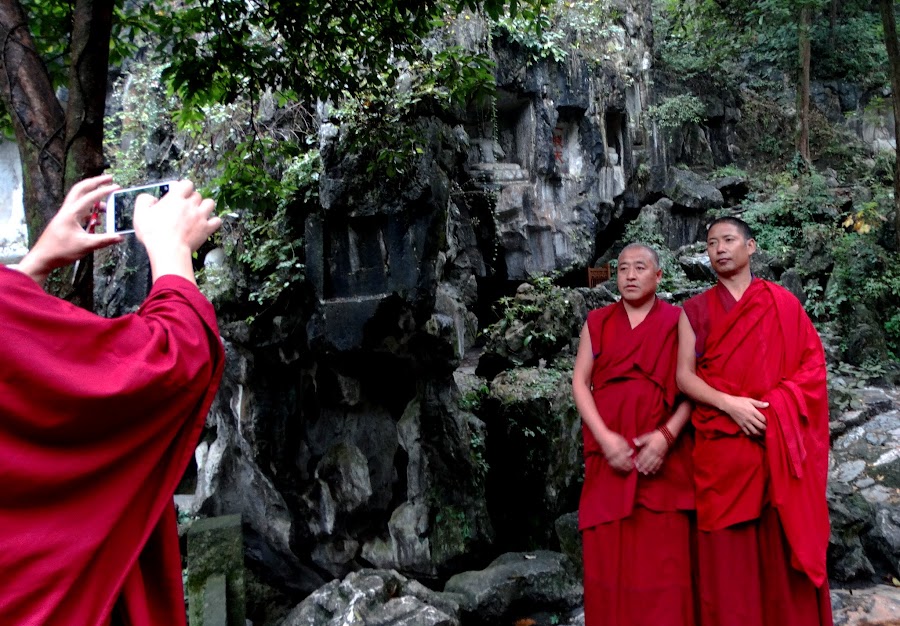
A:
(636, 529)
(98, 421)
(764, 347)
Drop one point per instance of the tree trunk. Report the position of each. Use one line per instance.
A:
(57, 147)
(890, 42)
(87, 89)
(89, 64)
(37, 116)
(803, 91)
(832, 22)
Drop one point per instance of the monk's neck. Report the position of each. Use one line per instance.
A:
(738, 284)
(638, 313)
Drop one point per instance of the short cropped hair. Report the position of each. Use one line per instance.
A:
(637, 245)
(741, 225)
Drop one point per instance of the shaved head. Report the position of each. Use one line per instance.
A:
(742, 226)
(642, 246)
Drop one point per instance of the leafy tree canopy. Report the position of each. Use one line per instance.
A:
(697, 36)
(220, 49)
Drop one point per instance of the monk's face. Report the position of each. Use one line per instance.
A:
(637, 276)
(729, 251)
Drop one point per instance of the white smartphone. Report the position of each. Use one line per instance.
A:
(119, 216)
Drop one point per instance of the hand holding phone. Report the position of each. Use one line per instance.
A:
(119, 216)
(174, 227)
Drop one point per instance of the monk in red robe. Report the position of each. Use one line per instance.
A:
(636, 510)
(98, 420)
(753, 363)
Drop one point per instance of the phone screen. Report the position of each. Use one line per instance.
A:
(119, 216)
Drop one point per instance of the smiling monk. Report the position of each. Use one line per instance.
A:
(636, 511)
(753, 363)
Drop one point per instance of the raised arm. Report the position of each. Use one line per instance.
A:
(616, 449)
(65, 240)
(744, 411)
(173, 228)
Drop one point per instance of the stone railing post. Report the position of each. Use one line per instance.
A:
(215, 580)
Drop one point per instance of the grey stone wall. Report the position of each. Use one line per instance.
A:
(13, 233)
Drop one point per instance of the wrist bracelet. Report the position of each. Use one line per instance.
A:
(670, 438)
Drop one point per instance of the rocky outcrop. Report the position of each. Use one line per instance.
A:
(559, 159)
(864, 487)
(515, 584)
(876, 606)
(375, 598)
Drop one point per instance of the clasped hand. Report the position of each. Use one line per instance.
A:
(617, 452)
(745, 412)
(652, 448)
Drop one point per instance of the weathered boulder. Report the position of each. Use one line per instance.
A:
(599, 296)
(791, 280)
(687, 189)
(534, 454)
(698, 267)
(676, 225)
(765, 265)
(517, 581)
(878, 605)
(537, 323)
(733, 189)
(373, 597)
(864, 338)
(884, 538)
(570, 538)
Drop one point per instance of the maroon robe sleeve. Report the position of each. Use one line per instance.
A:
(98, 420)
(797, 440)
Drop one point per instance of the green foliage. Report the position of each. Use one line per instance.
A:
(144, 114)
(377, 125)
(535, 36)
(866, 274)
(268, 186)
(471, 400)
(766, 130)
(221, 49)
(516, 310)
(852, 48)
(675, 111)
(585, 26)
(844, 381)
(729, 171)
(689, 41)
(786, 217)
(710, 39)
(478, 448)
